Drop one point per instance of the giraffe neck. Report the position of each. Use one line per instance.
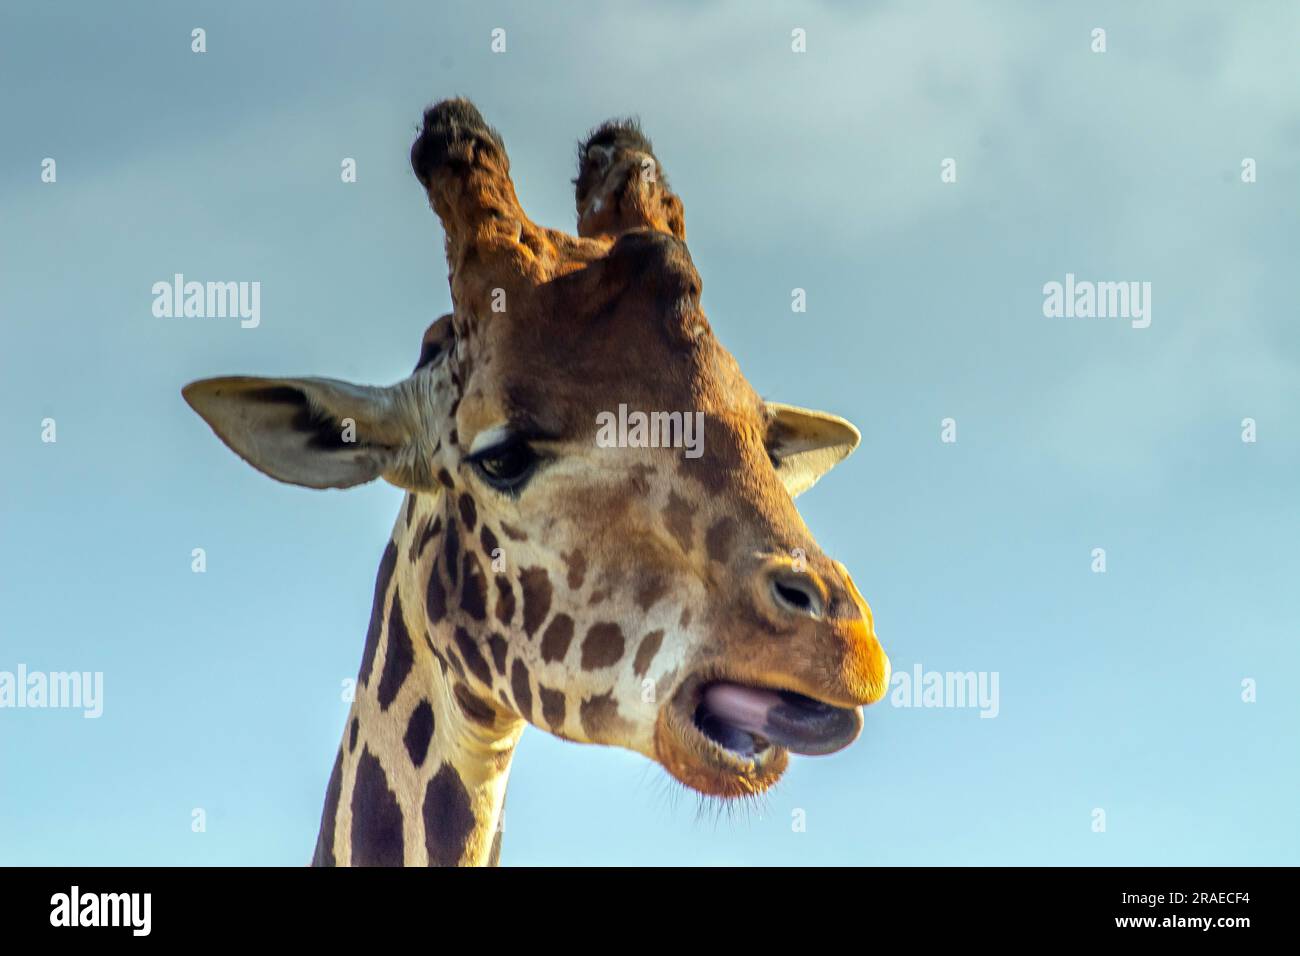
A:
(420, 776)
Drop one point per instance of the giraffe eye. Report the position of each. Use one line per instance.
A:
(507, 466)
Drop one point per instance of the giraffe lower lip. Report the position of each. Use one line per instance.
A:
(744, 719)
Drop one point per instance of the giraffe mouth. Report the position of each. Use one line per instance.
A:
(731, 739)
(748, 720)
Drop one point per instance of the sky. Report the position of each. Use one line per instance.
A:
(1144, 713)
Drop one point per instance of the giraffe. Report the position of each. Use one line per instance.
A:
(634, 596)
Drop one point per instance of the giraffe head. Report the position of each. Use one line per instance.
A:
(607, 545)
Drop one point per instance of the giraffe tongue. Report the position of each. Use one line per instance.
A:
(733, 714)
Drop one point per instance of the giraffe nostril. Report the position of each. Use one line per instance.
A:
(797, 595)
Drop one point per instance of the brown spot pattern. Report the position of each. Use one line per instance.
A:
(602, 647)
(399, 657)
(448, 819)
(474, 707)
(455, 663)
(520, 688)
(468, 513)
(497, 645)
(577, 564)
(651, 589)
(599, 717)
(536, 586)
(451, 552)
(386, 565)
(646, 652)
(419, 731)
(505, 610)
(555, 642)
(719, 538)
(473, 588)
(489, 542)
(428, 531)
(324, 855)
(435, 600)
(376, 816)
(473, 657)
(442, 661)
(553, 707)
(677, 516)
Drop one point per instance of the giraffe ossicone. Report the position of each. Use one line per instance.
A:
(626, 595)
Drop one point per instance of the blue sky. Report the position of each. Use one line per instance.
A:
(1120, 691)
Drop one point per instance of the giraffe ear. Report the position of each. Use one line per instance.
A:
(806, 444)
(315, 432)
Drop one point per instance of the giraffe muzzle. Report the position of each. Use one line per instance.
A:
(746, 719)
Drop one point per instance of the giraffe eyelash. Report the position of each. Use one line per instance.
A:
(506, 466)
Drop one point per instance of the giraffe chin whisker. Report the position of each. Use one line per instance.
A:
(714, 757)
(725, 738)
